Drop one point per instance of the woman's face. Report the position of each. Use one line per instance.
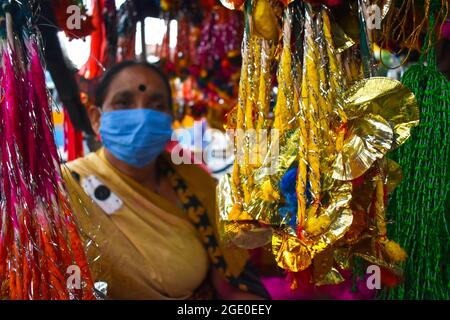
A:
(135, 87)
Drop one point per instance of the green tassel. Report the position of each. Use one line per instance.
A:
(420, 205)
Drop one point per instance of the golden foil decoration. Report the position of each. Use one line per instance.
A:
(336, 134)
(265, 22)
(322, 265)
(333, 277)
(225, 197)
(381, 114)
(341, 40)
(341, 223)
(237, 226)
(342, 256)
(341, 218)
(290, 252)
(387, 98)
(369, 138)
(271, 171)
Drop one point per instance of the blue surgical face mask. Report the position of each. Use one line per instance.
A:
(135, 136)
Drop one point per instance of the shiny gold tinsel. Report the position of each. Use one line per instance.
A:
(336, 134)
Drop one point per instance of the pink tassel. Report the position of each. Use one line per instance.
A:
(38, 238)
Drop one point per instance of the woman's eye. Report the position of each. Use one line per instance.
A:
(121, 104)
(157, 106)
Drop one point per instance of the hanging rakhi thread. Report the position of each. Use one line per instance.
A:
(39, 240)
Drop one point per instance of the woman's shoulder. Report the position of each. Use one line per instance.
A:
(80, 168)
(197, 177)
(81, 165)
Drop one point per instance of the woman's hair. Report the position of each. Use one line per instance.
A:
(110, 74)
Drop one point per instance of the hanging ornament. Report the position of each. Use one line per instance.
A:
(419, 206)
(319, 199)
(39, 239)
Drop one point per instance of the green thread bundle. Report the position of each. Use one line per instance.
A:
(419, 207)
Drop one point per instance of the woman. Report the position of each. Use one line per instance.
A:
(151, 222)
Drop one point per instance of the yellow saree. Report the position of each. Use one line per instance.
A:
(144, 246)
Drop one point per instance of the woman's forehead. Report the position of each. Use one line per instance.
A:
(135, 78)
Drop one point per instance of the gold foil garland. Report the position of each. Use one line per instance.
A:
(335, 135)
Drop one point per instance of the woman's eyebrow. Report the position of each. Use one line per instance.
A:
(125, 94)
(156, 96)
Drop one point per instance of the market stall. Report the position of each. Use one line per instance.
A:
(324, 123)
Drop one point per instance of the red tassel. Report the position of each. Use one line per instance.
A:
(73, 139)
